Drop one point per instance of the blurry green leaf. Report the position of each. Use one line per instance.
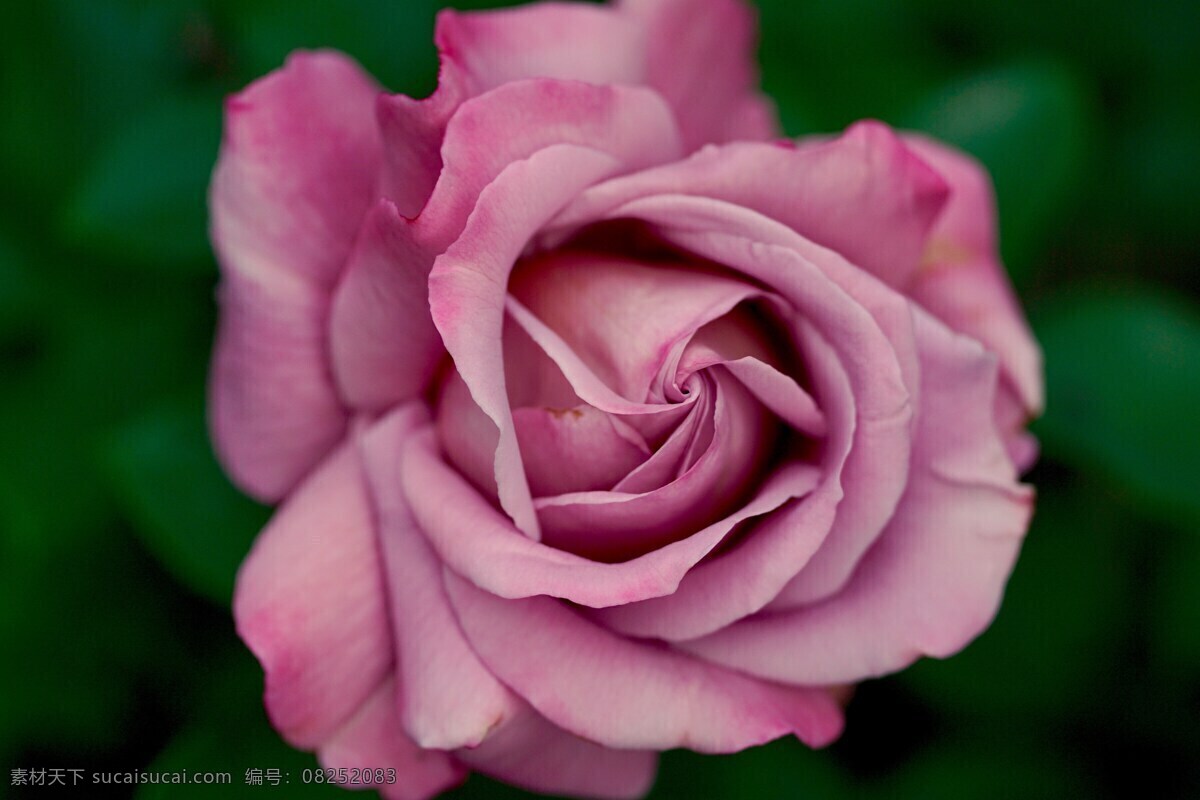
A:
(18, 295)
(1064, 609)
(1123, 375)
(828, 64)
(230, 733)
(393, 41)
(1162, 164)
(144, 198)
(1028, 123)
(72, 70)
(186, 511)
(111, 341)
(86, 626)
(783, 768)
(993, 770)
(1176, 619)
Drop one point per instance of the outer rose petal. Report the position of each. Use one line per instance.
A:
(372, 739)
(863, 194)
(273, 408)
(627, 694)
(515, 121)
(533, 753)
(382, 337)
(310, 603)
(447, 698)
(962, 281)
(295, 176)
(934, 579)
(701, 58)
(566, 41)
(697, 54)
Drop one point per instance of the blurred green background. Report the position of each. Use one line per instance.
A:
(119, 537)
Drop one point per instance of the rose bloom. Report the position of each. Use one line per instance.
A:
(604, 421)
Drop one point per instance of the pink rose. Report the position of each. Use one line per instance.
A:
(597, 434)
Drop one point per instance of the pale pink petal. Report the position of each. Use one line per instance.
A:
(566, 41)
(962, 281)
(297, 169)
(295, 176)
(701, 58)
(310, 603)
(754, 119)
(934, 578)
(382, 337)
(615, 526)
(273, 409)
(515, 121)
(412, 132)
(698, 55)
(863, 194)
(533, 753)
(447, 699)
(628, 694)
(482, 544)
(372, 741)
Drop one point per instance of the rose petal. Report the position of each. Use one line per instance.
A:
(447, 699)
(754, 119)
(467, 284)
(675, 455)
(962, 281)
(697, 54)
(310, 604)
(466, 290)
(297, 169)
(626, 694)
(934, 579)
(615, 526)
(575, 449)
(623, 335)
(585, 384)
(382, 337)
(531, 752)
(273, 409)
(412, 132)
(480, 543)
(701, 59)
(295, 176)
(516, 120)
(871, 329)
(566, 41)
(372, 740)
(744, 578)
